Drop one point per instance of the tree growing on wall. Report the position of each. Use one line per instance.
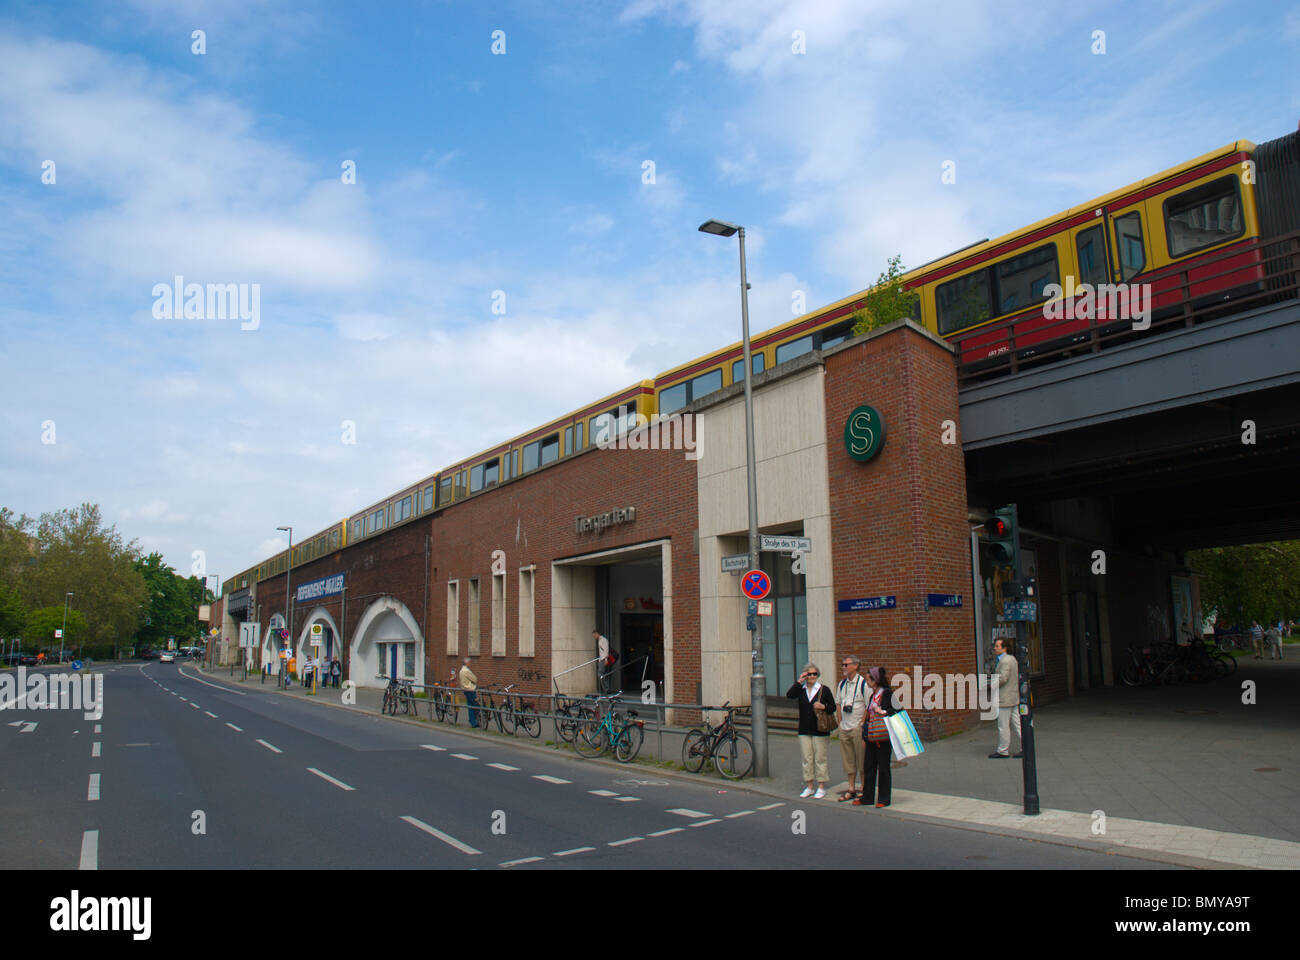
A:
(887, 300)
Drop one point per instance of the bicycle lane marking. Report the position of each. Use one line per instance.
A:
(445, 838)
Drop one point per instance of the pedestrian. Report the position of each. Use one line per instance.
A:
(851, 696)
(468, 685)
(293, 669)
(1274, 637)
(1008, 701)
(877, 780)
(1257, 638)
(605, 660)
(336, 671)
(814, 700)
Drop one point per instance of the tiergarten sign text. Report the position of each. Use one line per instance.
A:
(598, 522)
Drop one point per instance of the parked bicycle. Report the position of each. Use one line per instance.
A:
(398, 694)
(445, 706)
(488, 712)
(516, 713)
(732, 752)
(570, 713)
(613, 730)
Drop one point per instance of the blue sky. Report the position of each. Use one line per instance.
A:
(523, 173)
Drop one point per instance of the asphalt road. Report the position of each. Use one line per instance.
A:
(191, 774)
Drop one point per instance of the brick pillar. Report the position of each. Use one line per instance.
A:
(899, 521)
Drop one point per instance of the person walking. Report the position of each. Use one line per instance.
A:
(814, 700)
(469, 686)
(1008, 701)
(851, 696)
(877, 779)
(1257, 638)
(1274, 637)
(604, 661)
(336, 671)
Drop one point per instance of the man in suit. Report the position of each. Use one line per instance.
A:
(1008, 700)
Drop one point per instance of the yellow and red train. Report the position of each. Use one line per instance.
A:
(1187, 236)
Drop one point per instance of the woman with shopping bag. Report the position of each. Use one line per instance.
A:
(876, 777)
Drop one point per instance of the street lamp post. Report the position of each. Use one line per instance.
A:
(63, 634)
(288, 583)
(757, 678)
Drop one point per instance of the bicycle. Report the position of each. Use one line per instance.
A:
(518, 713)
(445, 705)
(625, 735)
(732, 752)
(488, 712)
(398, 693)
(569, 715)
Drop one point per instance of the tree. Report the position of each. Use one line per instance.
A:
(13, 613)
(888, 300)
(1258, 581)
(41, 624)
(171, 602)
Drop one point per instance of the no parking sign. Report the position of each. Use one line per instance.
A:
(756, 584)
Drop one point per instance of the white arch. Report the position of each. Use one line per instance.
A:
(271, 646)
(321, 615)
(362, 656)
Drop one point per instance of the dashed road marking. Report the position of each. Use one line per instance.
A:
(704, 823)
(771, 806)
(211, 714)
(94, 748)
(186, 699)
(621, 843)
(604, 793)
(569, 853)
(99, 728)
(445, 838)
(272, 747)
(464, 756)
(515, 863)
(628, 799)
(194, 705)
(92, 790)
(430, 746)
(235, 728)
(664, 833)
(325, 776)
(545, 778)
(89, 850)
(502, 766)
(683, 812)
(739, 813)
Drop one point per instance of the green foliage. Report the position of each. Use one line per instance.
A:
(887, 300)
(1258, 581)
(13, 613)
(41, 624)
(171, 604)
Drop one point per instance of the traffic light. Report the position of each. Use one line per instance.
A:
(1003, 536)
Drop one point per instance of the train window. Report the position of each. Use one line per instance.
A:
(476, 479)
(1203, 216)
(613, 423)
(444, 490)
(795, 348)
(378, 517)
(1092, 256)
(706, 383)
(484, 475)
(550, 448)
(756, 361)
(837, 334)
(334, 540)
(577, 436)
(568, 440)
(964, 302)
(602, 428)
(671, 399)
(1022, 279)
(401, 510)
(532, 456)
(356, 529)
(460, 484)
(1128, 239)
(428, 497)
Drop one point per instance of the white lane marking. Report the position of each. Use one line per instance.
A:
(435, 832)
(771, 806)
(464, 756)
(569, 853)
(215, 686)
(664, 833)
(430, 746)
(99, 728)
(235, 728)
(628, 799)
(683, 812)
(184, 699)
(211, 714)
(271, 747)
(194, 705)
(704, 823)
(325, 776)
(739, 813)
(604, 793)
(89, 850)
(515, 863)
(549, 779)
(502, 766)
(92, 791)
(620, 843)
(94, 748)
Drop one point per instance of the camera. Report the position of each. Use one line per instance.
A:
(848, 709)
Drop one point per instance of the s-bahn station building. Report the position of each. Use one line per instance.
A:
(857, 451)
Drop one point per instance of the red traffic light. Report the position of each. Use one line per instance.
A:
(996, 527)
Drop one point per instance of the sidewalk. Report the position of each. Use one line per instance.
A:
(1172, 769)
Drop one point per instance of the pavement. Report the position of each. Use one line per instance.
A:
(1187, 775)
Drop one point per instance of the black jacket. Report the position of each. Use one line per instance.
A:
(807, 715)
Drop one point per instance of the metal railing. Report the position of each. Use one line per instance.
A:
(1026, 340)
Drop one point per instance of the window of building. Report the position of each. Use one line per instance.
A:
(1092, 256)
(526, 612)
(795, 348)
(408, 665)
(498, 614)
(1022, 279)
(453, 617)
(473, 617)
(964, 302)
(756, 361)
(1203, 216)
(1128, 240)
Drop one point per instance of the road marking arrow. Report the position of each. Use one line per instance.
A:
(27, 725)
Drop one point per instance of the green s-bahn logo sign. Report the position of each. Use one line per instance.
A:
(864, 433)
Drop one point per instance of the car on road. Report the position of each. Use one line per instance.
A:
(167, 656)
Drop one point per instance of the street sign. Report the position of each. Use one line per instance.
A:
(943, 599)
(867, 603)
(1020, 611)
(58, 634)
(737, 563)
(76, 664)
(756, 584)
(784, 544)
(316, 642)
(249, 634)
(765, 608)
(317, 631)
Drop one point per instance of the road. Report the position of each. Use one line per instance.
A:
(184, 773)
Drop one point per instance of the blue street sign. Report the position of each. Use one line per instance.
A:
(1019, 611)
(868, 603)
(943, 599)
(76, 664)
(756, 584)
